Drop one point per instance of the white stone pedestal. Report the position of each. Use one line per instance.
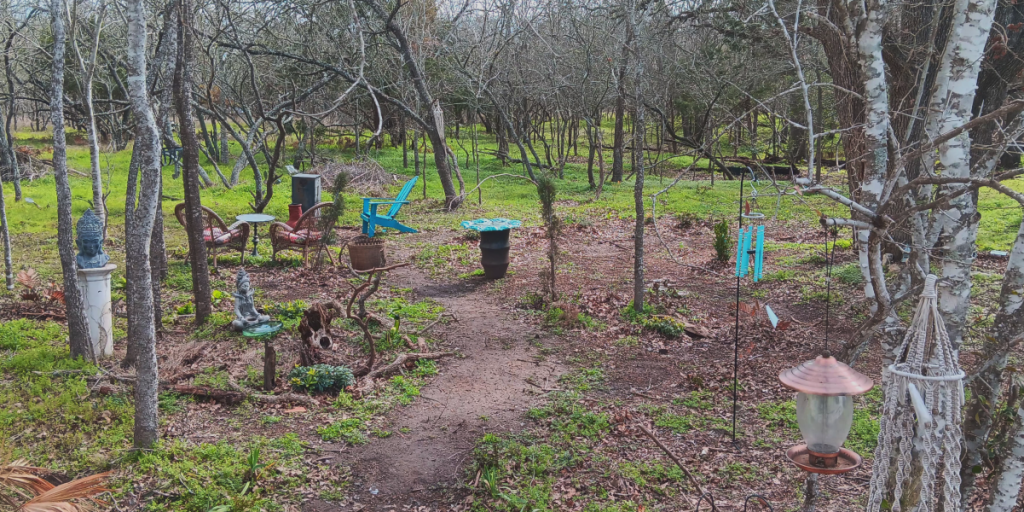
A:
(95, 286)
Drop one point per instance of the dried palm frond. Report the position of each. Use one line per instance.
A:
(59, 498)
(18, 475)
(28, 278)
(55, 293)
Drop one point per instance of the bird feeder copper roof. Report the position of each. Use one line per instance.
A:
(825, 376)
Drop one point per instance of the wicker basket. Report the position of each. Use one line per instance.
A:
(366, 253)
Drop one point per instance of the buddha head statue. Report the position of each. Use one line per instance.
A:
(90, 241)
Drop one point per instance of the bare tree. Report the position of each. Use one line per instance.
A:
(87, 67)
(140, 213)
(190, 156)
(78, 329)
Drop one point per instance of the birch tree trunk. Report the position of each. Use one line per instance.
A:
(78, 329)
(874, 138)
(1006, 488)
(190, 177)
(959, 220)
(140, 214)
(987, 386)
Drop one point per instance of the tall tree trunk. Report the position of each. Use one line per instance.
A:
(5, 238)
(1006, 489)
(140, 216)
(619, 138)
(190, 156)
(78, 329)
(959, 221)
(987, 386)
(875, 132)
(638, 202)
(590, 155)
(416, 160)
(225, 153)
(620, 104)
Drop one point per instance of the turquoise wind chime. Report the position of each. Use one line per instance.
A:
(749, 252)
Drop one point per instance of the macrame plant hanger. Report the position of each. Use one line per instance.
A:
(749, 253)
(924, 395)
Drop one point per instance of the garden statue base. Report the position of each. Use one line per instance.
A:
(95, 286)
(494, 247)
(494, 244)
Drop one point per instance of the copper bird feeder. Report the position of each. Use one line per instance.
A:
(824, 410)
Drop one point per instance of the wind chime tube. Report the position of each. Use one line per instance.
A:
(759, 256)
(747, 235)
(739, 253)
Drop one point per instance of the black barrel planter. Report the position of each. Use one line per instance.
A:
(494, 244)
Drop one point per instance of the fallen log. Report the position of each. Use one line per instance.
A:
(217, 395)
(236, 397)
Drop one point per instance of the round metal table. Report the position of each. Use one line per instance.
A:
(255, 219)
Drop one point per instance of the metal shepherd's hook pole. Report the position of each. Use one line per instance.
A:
(736, 341)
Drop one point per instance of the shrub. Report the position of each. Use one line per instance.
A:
(722, 241)
(687, 220)
(637, 317)
(320, 377)
(665, 325)
(547, 191)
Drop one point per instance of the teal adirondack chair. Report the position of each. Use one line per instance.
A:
(372, 219)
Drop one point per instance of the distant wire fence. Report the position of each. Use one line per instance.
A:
(759, 502)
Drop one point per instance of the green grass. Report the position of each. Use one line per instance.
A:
(33, 228)
(212, 377)
(359, 416)
(55, 422)
(349, 430)
(779, 414)
(735, 472)
(703, 400)
(213, 475)
(849, 274)
(866, 411)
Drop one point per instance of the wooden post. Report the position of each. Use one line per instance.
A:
(269, 365)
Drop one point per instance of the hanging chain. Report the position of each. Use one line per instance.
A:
(829, 261)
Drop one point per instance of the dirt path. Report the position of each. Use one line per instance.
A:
(486, 391)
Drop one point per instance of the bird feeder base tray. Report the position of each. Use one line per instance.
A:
(800, 455)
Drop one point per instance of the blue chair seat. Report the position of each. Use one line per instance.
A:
(372, 220)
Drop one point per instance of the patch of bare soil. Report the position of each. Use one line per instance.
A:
(693, 286)
(484, 391)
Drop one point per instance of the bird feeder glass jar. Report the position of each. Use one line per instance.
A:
(824, 421)
(824, 410)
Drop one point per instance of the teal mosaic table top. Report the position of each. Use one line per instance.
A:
(261, 330)
(498, 224)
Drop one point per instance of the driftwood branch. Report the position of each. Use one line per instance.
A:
(402, 360)
(435, 322)
(229, 397)
(672, 456)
